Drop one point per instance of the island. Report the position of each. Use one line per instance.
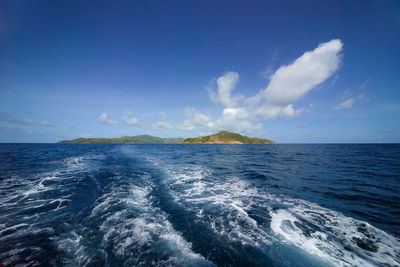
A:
(223, 137)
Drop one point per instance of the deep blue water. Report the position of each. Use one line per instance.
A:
(199, 205)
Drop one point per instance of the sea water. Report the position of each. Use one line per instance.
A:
(199, 205)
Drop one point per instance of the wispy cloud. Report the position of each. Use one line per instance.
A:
(161, 124)
(346, 104)
(103, 118)
(286, 86)
(349, 98)
(5, 117)
(302, 125)
(186, 126)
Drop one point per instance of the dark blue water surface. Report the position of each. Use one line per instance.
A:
(199, 205)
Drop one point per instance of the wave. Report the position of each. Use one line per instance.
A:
(242, 212)
(30, 204)
(141, 205)
(131, 230)
(333, 236)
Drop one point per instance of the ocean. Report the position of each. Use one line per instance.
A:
(200, 205)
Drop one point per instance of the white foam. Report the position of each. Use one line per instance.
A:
(334, 237)
(326, 234)
(13, 227)
(28, 195)
(125, 234)
(193, 187)
(133, 229)
(71, 244)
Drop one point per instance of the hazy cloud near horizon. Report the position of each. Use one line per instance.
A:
(5, 117)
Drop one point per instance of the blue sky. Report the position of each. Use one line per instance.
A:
(320, 71)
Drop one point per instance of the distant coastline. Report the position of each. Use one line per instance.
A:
(222, 137)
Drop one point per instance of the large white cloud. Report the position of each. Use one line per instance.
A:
(291, 82)
(287, 85)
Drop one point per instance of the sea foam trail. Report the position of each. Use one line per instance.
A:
(132, 232)
(227, 203)
(334, 237)
(29, 205)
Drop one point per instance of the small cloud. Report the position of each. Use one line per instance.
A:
(160, 125)
(350, 98)
(186, 126)
(162, 115)
(103, 118)
(347, 104)
(130, 118)
(131, 121)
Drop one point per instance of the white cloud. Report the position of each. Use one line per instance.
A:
(276, 111)
(289, 83)
(226, 83)
(346, 104)
(160, 125)
(197, 118)
(130, 118)
(232, 119)
(103, 118)
(201, 119)
(186, 126)
(350, 99)
(237, 120)
(286, 86)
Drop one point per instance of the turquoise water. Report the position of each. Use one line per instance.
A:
(199, 205)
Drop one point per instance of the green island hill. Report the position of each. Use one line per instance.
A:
(225, 137)
(222, 137)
